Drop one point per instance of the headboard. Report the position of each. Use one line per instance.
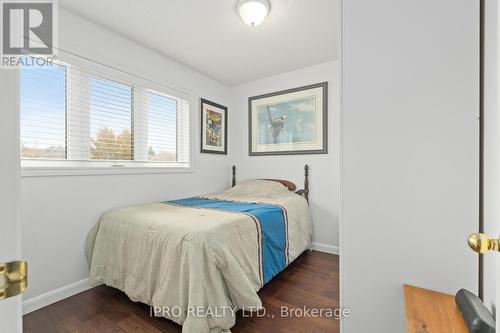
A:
(288, 184)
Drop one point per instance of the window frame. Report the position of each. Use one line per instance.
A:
(33, 167)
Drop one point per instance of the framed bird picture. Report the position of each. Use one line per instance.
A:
(213, 127)
(289, 122)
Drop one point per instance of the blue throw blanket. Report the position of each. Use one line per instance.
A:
(272, 230)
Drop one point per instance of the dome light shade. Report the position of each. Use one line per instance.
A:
(253, 12)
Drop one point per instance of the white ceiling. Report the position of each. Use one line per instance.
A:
(209, 36)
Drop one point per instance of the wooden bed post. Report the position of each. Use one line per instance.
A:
(306, 182)
(305, 191)
(234, 176)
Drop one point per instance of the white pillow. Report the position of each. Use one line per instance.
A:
(258, 187)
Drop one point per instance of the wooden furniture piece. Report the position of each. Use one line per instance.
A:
(288, 184)
(431, 312)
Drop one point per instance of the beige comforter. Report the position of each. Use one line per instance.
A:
(198, 265)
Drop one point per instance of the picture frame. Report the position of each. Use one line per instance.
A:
(213, 136)
(289, 122)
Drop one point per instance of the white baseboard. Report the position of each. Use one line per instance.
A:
(53, 296)
(332, 249)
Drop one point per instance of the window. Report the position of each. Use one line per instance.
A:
(72, 118)
(110, 120)
(162, 132)
(43, 110)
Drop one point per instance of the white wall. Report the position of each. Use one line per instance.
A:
(324, 168)
(57, 212)
(409, 152)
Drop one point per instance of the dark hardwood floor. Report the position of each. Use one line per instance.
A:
(312, 281)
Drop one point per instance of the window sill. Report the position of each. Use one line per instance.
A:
(87, 171)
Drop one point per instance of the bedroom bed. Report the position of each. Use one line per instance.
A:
(198, 260)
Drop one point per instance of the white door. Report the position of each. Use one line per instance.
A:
(491, 153)
(10, 308)
(409, 154)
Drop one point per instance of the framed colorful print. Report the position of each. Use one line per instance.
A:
(289, 122)
(213, 128)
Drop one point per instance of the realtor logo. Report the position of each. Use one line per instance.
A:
(28, 29)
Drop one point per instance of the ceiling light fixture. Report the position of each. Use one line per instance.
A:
(253, 12)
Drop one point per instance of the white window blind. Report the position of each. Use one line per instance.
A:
(74, 117)
(43, 112)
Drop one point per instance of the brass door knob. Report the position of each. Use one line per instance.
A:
(13, 278)
(481, 243)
